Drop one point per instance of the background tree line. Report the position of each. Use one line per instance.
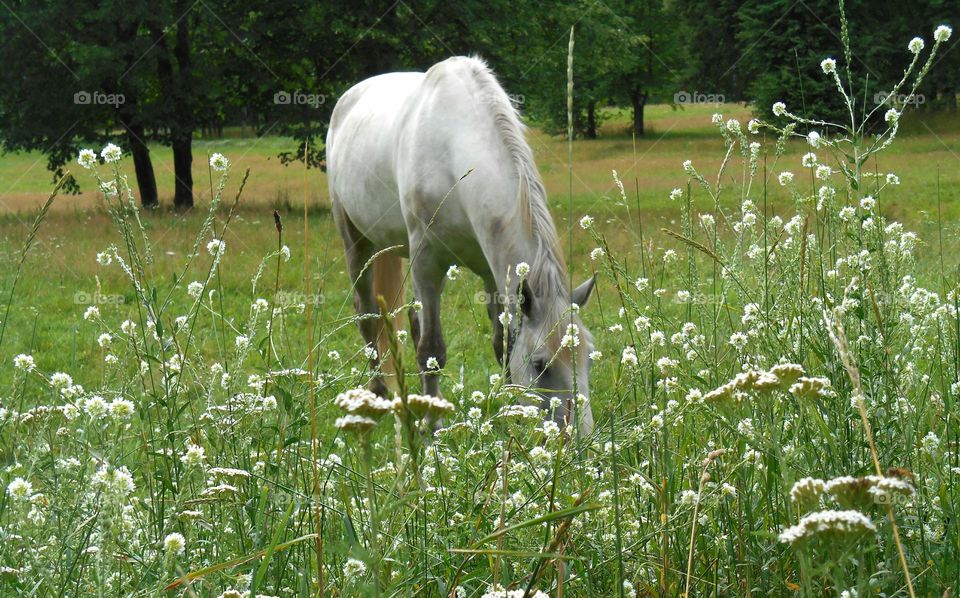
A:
(185, 68)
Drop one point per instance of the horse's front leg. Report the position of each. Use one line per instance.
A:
(495, 307)
(431, 350)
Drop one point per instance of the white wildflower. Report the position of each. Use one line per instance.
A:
(174, 544)
(354, 568)
(24, 362)
(20, 489)
(219, 162)
(216, 247)
(87, 158)
(111, 153)
(942, 33)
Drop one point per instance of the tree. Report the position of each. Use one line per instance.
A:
(133, 66)
(73, 76)
(178, 88)
(627, 51)
(655, 55)
(598, 50)
(783, 44)
(713, 52)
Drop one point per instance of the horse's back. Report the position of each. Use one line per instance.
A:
(450, 131)
(361, 158)
(399, 145)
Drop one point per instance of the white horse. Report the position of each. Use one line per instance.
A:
(398, 149)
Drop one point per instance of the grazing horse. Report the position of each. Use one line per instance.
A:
(436, 165)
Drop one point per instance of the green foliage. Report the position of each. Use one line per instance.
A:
(626, 53)
(52, 53)
(185, 69)
(782, 44)
(714, 52)
(801, 35)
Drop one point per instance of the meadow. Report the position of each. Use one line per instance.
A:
(78, 226)
(767, 351)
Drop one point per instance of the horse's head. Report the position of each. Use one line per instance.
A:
(550, 353)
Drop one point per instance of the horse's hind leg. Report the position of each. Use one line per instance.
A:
(359, 250)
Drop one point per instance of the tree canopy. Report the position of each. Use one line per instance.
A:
(167, 71)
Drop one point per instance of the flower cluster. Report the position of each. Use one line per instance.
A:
(778, 377)
(362, 407)
(828, 525)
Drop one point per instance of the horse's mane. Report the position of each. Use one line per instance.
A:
(548, 272)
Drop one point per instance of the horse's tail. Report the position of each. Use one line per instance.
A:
(388, 275)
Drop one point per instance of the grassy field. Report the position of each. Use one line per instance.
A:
(929, 145)
(78, 228)
(670, 493)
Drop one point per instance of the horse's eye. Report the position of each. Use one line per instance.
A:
(539, 365)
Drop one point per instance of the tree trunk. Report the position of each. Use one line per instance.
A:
(591, 119)
(183, 172)
(177, 88)
(131, 119)
(183, 139)
(639, 101)
(146, 180)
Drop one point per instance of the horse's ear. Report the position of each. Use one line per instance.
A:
(581, 294)
(526, 299)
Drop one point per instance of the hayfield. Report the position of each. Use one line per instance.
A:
(220, 467)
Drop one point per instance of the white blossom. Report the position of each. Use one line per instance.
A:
(219, 162)
(87, 158)
(111, 153)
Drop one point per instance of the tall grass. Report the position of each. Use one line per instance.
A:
(777, 400)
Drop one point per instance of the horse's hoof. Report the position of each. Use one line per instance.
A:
(432, 425)
(379, 388)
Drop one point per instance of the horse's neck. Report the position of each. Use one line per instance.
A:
(525, 242)
(521, 229)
